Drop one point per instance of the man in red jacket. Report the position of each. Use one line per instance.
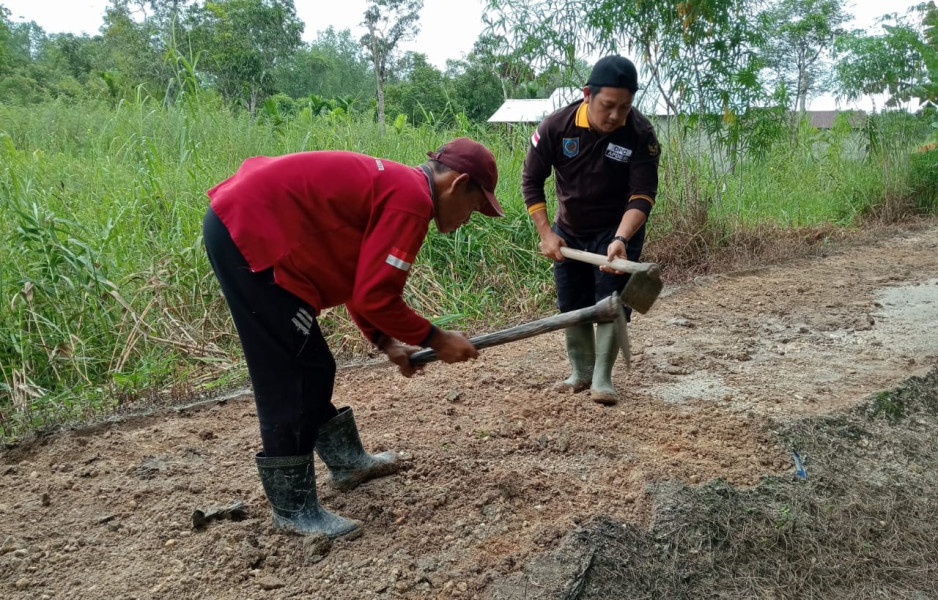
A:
(289, 236)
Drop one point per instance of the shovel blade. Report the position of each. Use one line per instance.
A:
(642, 290)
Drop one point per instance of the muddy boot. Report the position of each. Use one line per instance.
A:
(290, 485)
(340, 447)
(581, 352)
(607, 349)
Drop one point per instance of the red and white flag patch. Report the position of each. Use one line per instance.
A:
(400, 259)
(535, 138)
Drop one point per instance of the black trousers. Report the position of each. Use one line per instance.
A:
(579, 284)
(291, 367)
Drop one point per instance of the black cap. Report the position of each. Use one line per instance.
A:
(614, 71)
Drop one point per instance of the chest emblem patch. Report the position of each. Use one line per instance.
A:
(618, 153)
(571, 147)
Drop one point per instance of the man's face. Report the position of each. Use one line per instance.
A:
(608, 108)
(456, 205)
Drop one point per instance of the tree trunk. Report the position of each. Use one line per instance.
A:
(378, 59)
(253, 97)
(802, 89)
(380, 100)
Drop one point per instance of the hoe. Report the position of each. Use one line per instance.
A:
(639, 293)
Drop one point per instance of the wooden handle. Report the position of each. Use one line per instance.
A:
(603, 311)
(619, 264)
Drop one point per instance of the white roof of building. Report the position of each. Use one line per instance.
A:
(532, 111)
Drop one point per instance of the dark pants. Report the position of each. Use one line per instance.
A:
(579, 284)
(292, 370)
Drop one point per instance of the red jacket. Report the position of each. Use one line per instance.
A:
(337, 228)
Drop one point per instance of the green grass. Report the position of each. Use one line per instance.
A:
(106, 294)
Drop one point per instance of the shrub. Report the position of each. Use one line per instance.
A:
(923, 177)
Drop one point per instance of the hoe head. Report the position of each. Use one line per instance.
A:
(622, 331)
(642, 289)
(639, 293)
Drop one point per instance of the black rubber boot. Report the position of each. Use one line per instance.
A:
(340, 447)
(290, 484)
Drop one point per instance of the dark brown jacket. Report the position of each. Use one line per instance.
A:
(598, 176)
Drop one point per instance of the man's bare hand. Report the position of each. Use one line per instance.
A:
(452, 346)
(399, 354)
(550, 245)
(615, 250)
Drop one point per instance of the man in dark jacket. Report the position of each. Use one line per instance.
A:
(292, 235)
(604, 155)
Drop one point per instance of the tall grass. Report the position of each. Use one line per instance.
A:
(106, 293)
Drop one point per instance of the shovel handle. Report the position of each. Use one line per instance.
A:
(619, 264)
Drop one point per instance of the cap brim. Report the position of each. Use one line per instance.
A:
(492, 208)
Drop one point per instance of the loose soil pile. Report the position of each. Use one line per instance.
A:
(504, 475)
(860, 523)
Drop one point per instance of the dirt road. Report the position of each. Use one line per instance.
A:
(499, 466)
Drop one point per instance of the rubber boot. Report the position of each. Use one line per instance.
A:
(581, 353)
(340, 447)
(290, 485)
(607, 349)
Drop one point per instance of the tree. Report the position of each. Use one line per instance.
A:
(494, 54)
(422, 94)
(244, 41)
(5, 41)
(333, 65)
(25, 40)
(929, 93)
(477, 91)
(800, 37)
(131, 50)
(902, 62)
(131, 55)
(40, 66)
(73, 56)
(389, 22)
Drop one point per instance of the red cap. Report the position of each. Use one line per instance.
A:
(475, 160)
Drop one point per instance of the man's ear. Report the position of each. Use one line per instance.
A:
(459, 182)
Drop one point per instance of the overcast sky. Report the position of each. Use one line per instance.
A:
(448, 28)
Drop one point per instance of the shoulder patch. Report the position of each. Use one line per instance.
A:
(654, 149)
(535, 138)
(399, 259)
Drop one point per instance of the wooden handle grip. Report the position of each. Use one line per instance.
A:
(619, 264)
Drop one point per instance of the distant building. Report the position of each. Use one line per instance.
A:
(534, 110)
(824, 119)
